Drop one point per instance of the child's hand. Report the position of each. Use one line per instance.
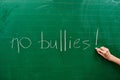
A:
(104, 52)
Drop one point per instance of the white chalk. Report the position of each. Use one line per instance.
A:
(96, 48)
(97, 37)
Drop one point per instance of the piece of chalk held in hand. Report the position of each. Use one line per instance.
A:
(96, 48)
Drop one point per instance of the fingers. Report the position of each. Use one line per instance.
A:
(102, 50)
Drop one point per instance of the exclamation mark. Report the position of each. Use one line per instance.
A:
(96, 42)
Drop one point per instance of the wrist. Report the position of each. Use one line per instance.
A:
(114, 59)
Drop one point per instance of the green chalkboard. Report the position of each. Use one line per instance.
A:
(56, 39)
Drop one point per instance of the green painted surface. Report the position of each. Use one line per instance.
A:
(29, 29)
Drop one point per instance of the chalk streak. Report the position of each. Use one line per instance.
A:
(61, 40)
(64, 40)
(96, 37)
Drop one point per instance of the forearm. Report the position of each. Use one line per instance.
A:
(115, 60)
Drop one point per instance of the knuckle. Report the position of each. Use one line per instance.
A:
(107, 49)
(102, 47)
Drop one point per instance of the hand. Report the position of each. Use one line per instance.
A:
(104, 52)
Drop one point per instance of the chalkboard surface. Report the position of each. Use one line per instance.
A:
(56, 39)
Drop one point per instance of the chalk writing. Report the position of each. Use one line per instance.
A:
(62, 44)
(20, 44)
(96, 37)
